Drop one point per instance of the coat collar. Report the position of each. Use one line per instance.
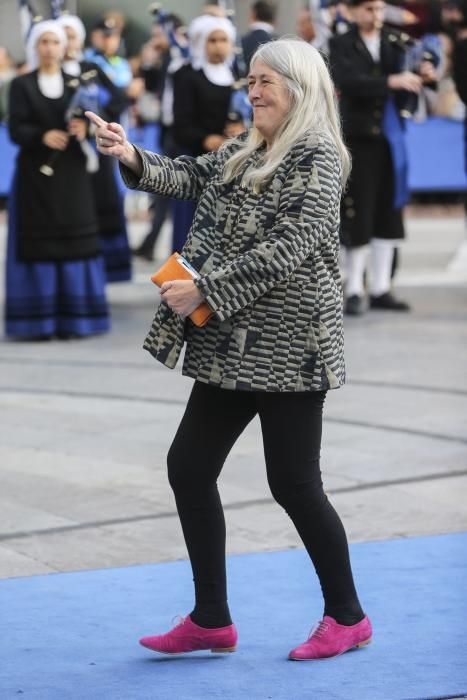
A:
(361, 47)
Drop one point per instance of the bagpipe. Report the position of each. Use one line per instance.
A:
(57, 7)
(403, 105)
(178, 43)
(414, 52)
(85, 97)
(28, 14)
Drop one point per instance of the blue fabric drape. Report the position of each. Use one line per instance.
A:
(395, 135)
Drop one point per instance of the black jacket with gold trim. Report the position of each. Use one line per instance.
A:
(362, 84)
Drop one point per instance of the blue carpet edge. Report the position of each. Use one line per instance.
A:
(352, 545)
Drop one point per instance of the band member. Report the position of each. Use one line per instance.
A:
(55, 277)
(106, 39)
(202, 93)
(163, 55)
(367, 65)
(112, 101)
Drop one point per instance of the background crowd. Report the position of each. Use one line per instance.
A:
(189, 83)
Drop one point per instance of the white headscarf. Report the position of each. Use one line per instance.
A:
(75, 23)
(198, 33)
(49, 25)
(71, 65)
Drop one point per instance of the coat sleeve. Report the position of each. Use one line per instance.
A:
(180, 178)
(349, 79)
(23, 129)
(309, 196)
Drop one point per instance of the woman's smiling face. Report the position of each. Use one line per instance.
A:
(270, 99)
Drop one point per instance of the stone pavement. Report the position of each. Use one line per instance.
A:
(86, 425)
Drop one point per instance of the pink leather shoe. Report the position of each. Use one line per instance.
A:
(329, 639)
(186, 636)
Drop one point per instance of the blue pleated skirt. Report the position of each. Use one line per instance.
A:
(46, 299)
(117, 257)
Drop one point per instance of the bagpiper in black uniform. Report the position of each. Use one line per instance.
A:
(364, 63)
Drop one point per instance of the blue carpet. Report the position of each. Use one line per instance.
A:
(73, 636)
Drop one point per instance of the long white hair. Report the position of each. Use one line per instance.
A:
(313, 108)
(74, 22)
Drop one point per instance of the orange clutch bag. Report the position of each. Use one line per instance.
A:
(177, 268)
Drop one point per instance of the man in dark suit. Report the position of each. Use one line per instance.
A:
(263, 18)
(367, 65)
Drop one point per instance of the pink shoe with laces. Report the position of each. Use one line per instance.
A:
(187, 636)
(329, 639)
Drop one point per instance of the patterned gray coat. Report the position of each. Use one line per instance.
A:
(269, 270)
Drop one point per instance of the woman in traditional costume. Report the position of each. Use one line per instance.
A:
(202, 94)
(55, 276)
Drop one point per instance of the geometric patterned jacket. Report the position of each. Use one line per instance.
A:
(269, 270)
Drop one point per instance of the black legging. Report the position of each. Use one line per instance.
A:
(291, 424)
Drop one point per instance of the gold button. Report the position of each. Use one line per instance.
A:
(350, 213)
(377, 113)
(375, 130)
(348, 200)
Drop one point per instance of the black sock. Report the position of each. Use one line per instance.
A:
(211, 615)
(348, 614)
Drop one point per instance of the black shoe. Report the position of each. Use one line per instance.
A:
(387, 302)
(143, 253)
(354, 306)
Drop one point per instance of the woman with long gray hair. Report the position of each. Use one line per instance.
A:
(265, 242)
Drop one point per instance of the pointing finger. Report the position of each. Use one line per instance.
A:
(95, 119)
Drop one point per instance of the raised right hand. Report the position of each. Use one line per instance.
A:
(111, 140)
(56, 139)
